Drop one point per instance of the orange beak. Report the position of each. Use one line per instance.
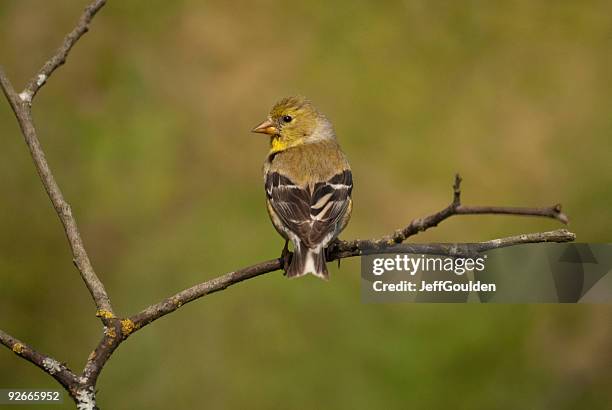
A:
(266, 127)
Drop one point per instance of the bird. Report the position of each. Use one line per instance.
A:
(308, 183)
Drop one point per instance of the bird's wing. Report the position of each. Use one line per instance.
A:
(312, 215)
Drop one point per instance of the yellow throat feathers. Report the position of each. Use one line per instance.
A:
(278, 145)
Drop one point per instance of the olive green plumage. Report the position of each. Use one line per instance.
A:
(308, 182)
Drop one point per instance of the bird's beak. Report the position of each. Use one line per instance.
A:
(266, 127)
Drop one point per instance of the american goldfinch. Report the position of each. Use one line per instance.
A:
(308, 183)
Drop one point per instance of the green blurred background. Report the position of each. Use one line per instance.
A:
(147, 131)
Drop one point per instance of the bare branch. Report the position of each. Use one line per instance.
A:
(22, 108)
(172, 303)
(59, 58)
(468, 249)
(339, 250)
(456, 208)
(62, 208)
(550, 212)
(114, 333)
(49, 365)
(559, 236)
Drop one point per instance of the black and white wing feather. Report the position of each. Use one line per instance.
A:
(311, 214)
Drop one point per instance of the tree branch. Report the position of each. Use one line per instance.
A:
(456, 208)
(60, 56)
(341, 251)
(346, 249)
(47, 364)
(470, 249)
(23, 113)
(430, 221)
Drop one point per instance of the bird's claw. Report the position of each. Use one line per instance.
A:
(330, 250)
(286, 258)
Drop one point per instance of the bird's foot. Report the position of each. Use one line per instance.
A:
(331, 248)
(286, 258)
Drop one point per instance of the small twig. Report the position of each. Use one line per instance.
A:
(456, 208)
(60, 56)
(457, 191)
(549, 212)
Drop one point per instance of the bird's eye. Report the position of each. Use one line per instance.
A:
(287, 118)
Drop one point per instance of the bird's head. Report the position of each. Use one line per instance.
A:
(294, 121)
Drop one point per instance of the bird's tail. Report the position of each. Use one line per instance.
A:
(306, 260)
